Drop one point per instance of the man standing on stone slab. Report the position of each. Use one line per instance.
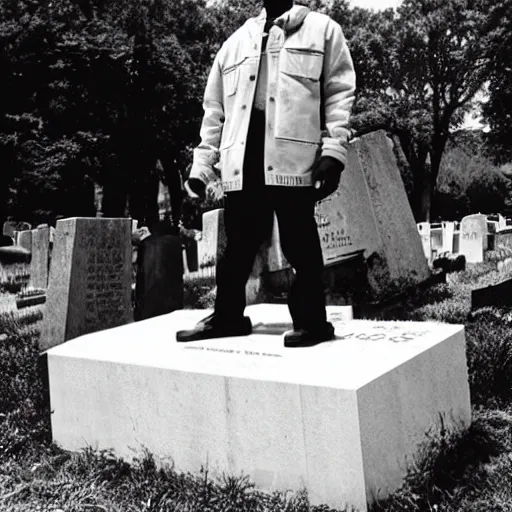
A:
(277, 106)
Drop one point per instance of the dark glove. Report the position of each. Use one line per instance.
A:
(196, 187)
(326, 174)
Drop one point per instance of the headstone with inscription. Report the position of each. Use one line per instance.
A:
(213, 240)
(342, 419)
(473, 237)
(370, 212)
(40, 257)
(90, 278)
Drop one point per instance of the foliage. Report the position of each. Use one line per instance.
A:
(419, 69)
(469, 182)
(497, 110)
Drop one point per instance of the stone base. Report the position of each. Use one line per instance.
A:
(342, 419)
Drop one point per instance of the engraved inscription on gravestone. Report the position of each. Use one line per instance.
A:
(105, 300)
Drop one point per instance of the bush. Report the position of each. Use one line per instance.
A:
(489, 354)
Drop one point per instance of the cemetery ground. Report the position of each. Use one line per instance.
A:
(469, 471)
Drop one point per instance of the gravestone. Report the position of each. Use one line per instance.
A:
(370, 212)
(502, 222)
(426, 242)
(213, 239)
(24, 239)
(473, 237)
(40, 257)
(436, 239)
(10, 226)
(159, 287)
(448, 235)
(90, 278)
(342, 419)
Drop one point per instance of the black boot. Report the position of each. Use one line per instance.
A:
(309, 337)
(210, 327)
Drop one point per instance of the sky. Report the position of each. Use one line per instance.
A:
(375, 4)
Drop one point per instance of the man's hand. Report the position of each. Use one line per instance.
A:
(196, 188)
(326, 176)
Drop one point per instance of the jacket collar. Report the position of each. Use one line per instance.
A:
(290, 21)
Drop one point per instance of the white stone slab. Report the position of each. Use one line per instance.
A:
(340, 419)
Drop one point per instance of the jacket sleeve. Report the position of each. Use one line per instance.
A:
(339, 86)
(206, 154)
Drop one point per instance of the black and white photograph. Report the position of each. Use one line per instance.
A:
(256, 256)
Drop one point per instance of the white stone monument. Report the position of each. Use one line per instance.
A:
(342, 419)
(448, 236)
(473, 237)
(424, 231)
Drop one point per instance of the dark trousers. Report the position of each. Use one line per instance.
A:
(248, 219)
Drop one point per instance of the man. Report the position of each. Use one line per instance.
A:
(277, 85)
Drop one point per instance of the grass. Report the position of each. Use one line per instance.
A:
(466, 471)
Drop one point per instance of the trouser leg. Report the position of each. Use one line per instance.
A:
(301, 246)
(248, 221)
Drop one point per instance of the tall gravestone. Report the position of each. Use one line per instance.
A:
(370, 212)
(473, 237)
(40, 257)
(90, 279)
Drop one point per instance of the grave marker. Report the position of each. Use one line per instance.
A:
(24, 239)
(448, 234)
(40, 257)
(342, 419)
(426, 241)
(90, 278)
(473, 237)
(369, 212)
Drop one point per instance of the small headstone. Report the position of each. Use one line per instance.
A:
(24, 239)
(40, 257)
(424, 231)
(448, 234)
(213, 240)
(473, 237)
(159, 288)
(90, 279)
(436, 239)
(10, 226)
(502, 222)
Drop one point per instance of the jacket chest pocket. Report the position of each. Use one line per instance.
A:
(230, 79)
(303, 63)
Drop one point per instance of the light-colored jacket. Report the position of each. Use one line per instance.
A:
(309, 70)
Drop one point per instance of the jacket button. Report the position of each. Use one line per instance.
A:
(252, 78)
(270, 168)
(236, 172)
(222, 119)
(272, 99)
(244, 107)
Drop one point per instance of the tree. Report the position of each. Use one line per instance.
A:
(497, 110)
(427, 62)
